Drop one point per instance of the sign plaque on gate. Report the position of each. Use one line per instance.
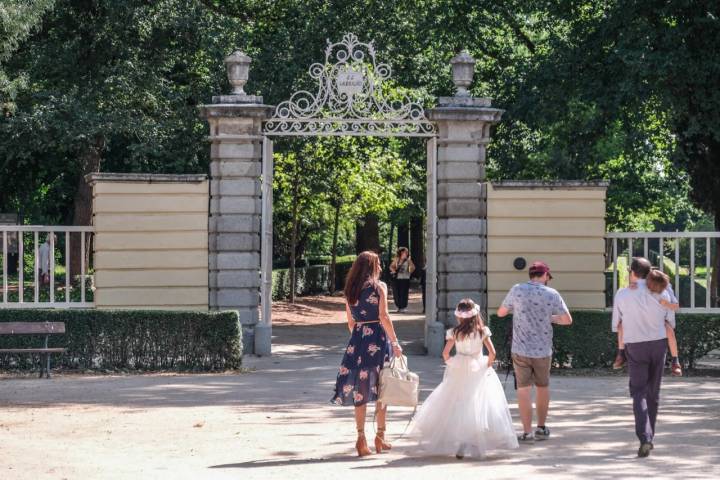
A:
(350, 82)
(349, 98)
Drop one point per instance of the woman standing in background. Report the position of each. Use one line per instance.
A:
(401, 269)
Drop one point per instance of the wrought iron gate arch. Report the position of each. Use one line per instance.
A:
(351, 99)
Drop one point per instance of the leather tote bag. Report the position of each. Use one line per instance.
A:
(398, 385)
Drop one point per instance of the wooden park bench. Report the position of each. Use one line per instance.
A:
(34, 328)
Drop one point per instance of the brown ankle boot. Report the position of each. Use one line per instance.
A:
(380, 443)
(361, 445)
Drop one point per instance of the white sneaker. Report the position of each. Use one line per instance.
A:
(542, 433)
(526, 438)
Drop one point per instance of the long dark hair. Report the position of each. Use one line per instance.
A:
(467, 326)
(365, 269)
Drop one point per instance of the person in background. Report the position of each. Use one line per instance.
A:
(372, 342)
(643, 319)
(401, 269)
(44, 254)
(535, 307)
(659, 285)
(423, 279)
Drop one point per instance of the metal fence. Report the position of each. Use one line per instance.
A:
(29, 266)
(687, 257)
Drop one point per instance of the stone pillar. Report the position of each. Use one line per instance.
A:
(463, 135)
(234, 229)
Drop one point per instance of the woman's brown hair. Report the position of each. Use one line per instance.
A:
(365, 269)
(468, 326)
(657, 281)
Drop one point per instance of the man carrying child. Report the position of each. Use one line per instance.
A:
(644, 333)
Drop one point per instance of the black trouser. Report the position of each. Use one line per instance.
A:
(646, 361)
(422, 286)
(402, 289)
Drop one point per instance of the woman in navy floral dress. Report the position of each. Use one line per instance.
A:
(372, 341)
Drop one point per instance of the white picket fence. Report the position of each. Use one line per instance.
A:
(655, 245)
(13, 242)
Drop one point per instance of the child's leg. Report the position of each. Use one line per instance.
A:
(672, 341)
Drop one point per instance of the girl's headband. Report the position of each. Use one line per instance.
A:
(467, 313)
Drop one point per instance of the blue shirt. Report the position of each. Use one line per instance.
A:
(533, 306)
(642, 316)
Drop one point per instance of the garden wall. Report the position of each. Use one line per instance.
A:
(151, 241)
(561, 223)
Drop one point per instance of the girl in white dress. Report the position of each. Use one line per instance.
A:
(467, 414)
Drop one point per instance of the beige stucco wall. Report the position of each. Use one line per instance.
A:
(560, 223)
(151, 241)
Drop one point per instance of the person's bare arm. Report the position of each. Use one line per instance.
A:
(491, 350)
(446, 351)
(503, 311)
(411, 266)
(350, 320)
(387, 323)
(670, 306)
(561, 312)
(564, 319)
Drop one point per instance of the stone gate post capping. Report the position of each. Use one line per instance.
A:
(463, 135)
(234, 225)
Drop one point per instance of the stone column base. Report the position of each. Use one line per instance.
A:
(263, 339)
(435, 338)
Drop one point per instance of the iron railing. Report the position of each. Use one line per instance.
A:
(17, 292)
(682, 255)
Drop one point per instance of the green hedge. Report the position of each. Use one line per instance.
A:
(589, 343)
(310, 280)
(131, 339)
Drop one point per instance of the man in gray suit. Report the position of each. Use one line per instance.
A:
(643, 320)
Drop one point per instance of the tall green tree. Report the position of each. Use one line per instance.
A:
(646, 74)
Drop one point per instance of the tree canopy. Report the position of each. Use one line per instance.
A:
(625, 91)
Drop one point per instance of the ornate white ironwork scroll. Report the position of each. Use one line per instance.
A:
(350, 99)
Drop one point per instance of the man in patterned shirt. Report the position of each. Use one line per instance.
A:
(535, 307)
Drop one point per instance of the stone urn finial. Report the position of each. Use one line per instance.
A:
(238, 69)
(463, 69)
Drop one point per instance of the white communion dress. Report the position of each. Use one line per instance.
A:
(467, 413)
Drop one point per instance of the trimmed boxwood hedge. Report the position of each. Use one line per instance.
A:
(131, 339)
(309, 280)
(589, 343)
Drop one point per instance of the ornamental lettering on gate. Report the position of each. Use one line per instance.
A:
(350, 99)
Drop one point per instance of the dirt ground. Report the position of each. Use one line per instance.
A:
(274, 422)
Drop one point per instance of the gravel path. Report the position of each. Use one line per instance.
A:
(273, 422)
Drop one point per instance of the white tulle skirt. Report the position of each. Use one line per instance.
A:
(466, 414)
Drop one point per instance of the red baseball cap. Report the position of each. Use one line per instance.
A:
(539, 268)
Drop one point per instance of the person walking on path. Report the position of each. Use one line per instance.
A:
(401, 269)
(372, 341)
(643, 322)
(467, 414)
(44, 262)
(535, 307)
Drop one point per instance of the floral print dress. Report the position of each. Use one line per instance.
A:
(365, 355)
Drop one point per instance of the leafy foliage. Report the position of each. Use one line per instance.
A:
(618, 90)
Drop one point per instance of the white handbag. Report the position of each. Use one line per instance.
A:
(398, 385)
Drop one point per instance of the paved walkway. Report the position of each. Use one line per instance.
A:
(274, 423)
